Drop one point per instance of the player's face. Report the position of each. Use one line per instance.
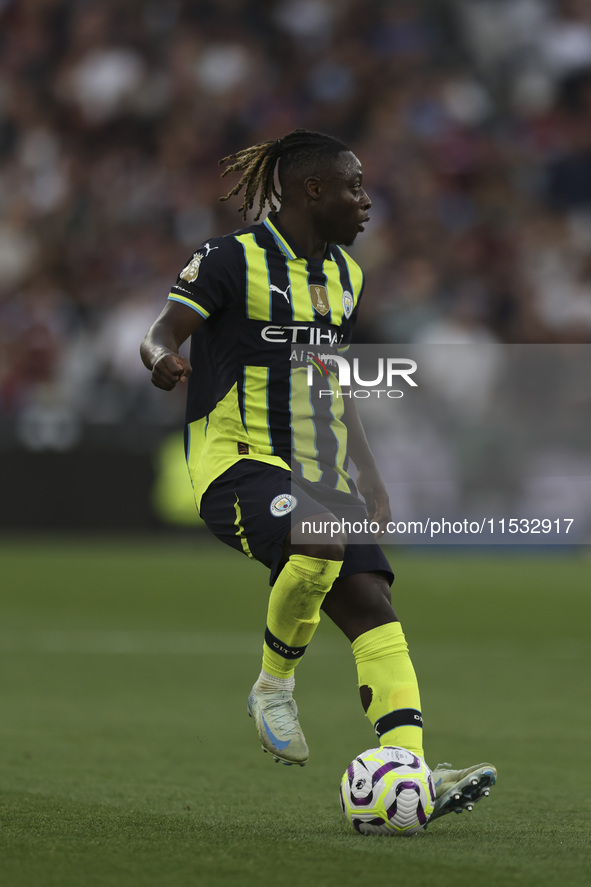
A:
(343, 210)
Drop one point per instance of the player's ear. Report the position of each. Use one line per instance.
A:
(313, 187)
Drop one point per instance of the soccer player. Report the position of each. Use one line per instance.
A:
(264, 455)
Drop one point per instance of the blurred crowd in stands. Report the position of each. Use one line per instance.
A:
(472, 119)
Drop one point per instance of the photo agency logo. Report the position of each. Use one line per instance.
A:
(361, 381)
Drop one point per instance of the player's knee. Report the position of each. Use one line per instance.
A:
(360, 602)
(382, 589)
(320, 537)
(327, 550)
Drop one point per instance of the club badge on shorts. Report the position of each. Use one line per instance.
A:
(283, 504)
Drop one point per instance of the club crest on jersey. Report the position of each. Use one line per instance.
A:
(283, 504)
(319, 298)
(347, 304)
(190, 272)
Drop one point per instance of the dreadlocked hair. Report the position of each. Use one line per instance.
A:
(258, 162)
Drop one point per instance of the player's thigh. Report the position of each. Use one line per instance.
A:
(253, 506)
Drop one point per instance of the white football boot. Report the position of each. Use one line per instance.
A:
(276, 718)
(457, 790)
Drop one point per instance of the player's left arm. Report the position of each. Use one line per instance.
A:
(369, 481)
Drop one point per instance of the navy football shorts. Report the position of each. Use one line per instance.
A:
(251, 508)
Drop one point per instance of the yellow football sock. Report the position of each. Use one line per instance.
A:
(388, 686)
(294, 611)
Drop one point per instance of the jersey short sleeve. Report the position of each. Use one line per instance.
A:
(212, 278)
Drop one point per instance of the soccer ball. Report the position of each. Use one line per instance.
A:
(387, 791)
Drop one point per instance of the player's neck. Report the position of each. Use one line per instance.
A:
(301, 231)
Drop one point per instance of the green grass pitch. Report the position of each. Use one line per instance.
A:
(127, 758)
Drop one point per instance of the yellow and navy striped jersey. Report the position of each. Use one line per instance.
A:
(249, 396)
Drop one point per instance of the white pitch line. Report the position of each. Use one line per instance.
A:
(185, 643)
(194, 643)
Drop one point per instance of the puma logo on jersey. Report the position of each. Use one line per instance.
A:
(284, 293)
(209, 248)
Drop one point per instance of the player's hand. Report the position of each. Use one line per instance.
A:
(371, 487)
(170, 369)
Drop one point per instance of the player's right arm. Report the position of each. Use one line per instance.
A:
(160, 349)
